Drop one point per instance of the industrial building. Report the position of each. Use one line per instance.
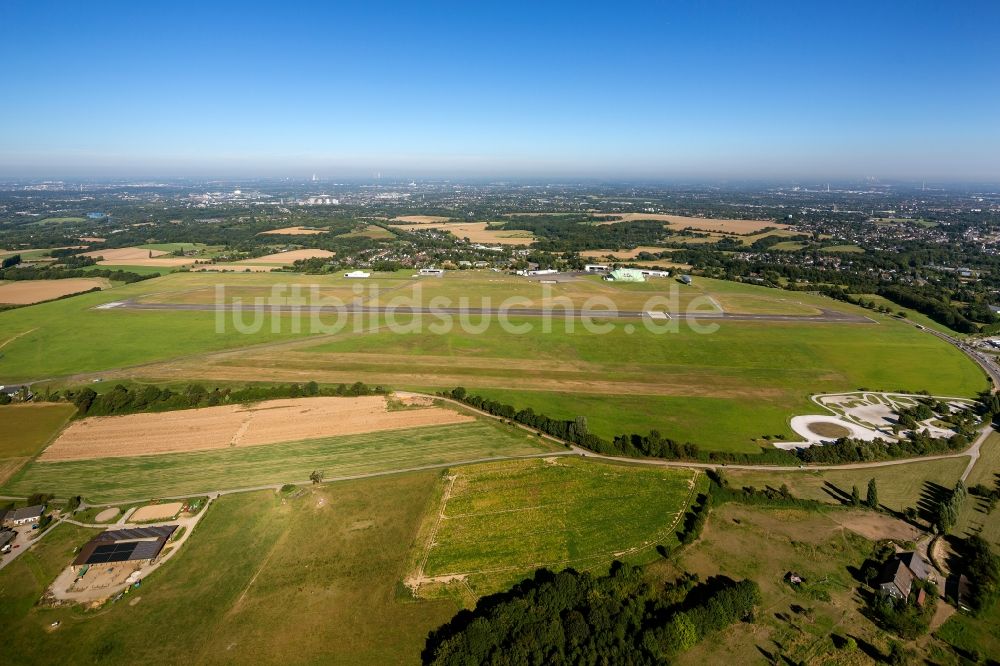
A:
(625, 275)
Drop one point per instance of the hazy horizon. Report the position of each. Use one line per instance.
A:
(712, 91)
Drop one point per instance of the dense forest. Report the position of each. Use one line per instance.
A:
(578, 618)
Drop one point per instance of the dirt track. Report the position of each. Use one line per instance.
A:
(270, 422)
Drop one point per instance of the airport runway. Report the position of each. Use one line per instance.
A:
(826, 316)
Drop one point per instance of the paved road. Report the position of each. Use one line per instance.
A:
(825, 316)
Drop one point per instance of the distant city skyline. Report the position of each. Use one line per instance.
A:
(671, 91)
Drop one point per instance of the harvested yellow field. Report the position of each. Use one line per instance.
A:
(124, 255)
(285, 258)
(622, 254)
(155, 512)
(269, 422)
(26, 292)
(137, 256)
(420, 219)
(476, 232)
(232, 268)
(293, 231)
(679, 222)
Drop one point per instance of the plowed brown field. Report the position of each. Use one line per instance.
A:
(270, 422)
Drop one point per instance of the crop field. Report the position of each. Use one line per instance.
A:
(26, 430)
(680, 222)
(496, 523)
(25, 292)
(293, 231)
(283, 258)
(309, 576)
(264, 423)
(476, 232)
(199, 472)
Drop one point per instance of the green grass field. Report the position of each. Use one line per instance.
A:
(26, 430)
(140, 477)
(722, 390)
(974, 519)
(501, 521)
(899, 486)
(310, 577)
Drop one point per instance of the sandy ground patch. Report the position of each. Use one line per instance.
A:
(623, 254)
(285, 258)
(25, 292)
(107, 515)
(420, 219)
(293, 231)
(156, 512)
(476, 232)
(680, 222)
(123, 255)
(875, 526)
(268, 422)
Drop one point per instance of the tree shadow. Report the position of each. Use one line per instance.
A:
(870, 650)
(931, 496)
(837, 493)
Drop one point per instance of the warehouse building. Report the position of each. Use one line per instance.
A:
(625, 275)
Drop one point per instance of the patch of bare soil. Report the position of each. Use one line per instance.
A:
(875, 526)
(831, 430)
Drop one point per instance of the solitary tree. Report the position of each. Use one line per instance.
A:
(855, 496)
(316, 476)
(871, 500)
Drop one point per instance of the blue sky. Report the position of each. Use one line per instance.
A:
(685, 89)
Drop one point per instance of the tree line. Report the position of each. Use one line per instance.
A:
(573, 617)
(57, 273)
(130, 400)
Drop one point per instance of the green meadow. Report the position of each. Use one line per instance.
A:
(498, 522)
(26, 430)
(307, 576)
(199, 472)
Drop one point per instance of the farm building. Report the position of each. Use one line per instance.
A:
(16, 391)
(959, 589)
(899, 572)
(24, 515)
(625, 275)
(896, 580)
(135, 545)
(6, 536)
